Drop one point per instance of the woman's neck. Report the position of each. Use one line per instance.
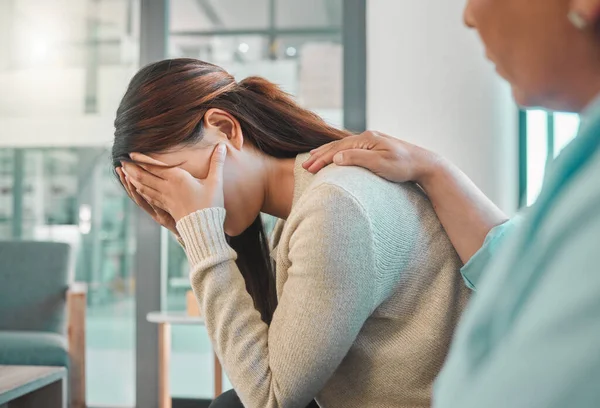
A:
(588, 95)
(584, 84)
(279, 187)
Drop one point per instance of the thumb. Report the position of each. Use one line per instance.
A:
(217, 163)
(368, 159)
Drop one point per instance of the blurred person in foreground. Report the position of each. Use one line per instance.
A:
(530, 335)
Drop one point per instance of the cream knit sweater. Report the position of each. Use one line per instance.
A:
(369, 293)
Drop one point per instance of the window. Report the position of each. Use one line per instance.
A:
(64, 65)
(543, 136)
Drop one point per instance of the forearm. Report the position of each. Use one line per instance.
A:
(466, 213)
(239, 336)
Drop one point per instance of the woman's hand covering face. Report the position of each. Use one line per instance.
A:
(172, 189)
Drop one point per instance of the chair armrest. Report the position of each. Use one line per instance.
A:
(76, 311)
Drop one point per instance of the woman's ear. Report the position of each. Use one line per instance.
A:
(584, 13)
(225, 125)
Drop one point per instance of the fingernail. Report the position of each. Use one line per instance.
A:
(338, 158)
(578, 20)
(222, 149)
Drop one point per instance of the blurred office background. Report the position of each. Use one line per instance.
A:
(64, 65)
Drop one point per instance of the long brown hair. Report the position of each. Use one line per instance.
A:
(163, 109)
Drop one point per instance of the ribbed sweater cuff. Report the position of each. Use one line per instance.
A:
(204, 237)
(178, 238)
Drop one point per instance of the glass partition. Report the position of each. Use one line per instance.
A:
(545, 136)
(64, 65)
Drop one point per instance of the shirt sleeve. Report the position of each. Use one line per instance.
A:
(550, 357)
(475, 268)
(327, 297)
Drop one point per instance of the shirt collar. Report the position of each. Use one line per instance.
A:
(589, 114)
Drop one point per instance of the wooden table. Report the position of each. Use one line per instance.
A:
(33, 387)
(165, 320)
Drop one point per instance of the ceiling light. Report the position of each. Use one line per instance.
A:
(243, 48)
(291, 52)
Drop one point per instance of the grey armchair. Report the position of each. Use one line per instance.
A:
(42, 315)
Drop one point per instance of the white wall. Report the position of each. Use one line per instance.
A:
(62, 131)
(45, 107)
(428, 82)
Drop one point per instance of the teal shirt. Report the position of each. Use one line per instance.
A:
(530, 337)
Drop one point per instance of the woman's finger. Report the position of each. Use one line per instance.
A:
(141, 187)
(320, 150)
(151, 196)
(123, 181)
(217, 164)
(317, 153)
(130, 190)
(323, 148)
(142, 158)
(142, 176)
(325, 157)
(152, 201)
(143, 202)
(137, 199)
(152, 166)
(161, 213)
(368, 159)
(324, 154)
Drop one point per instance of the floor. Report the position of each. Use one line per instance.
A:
(111, 358)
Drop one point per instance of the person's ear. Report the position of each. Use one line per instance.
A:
(584, 13)
(225, 125)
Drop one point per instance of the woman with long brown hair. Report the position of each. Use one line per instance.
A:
(355, 303)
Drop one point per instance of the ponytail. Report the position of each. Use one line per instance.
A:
(255, 264)
(273, 122)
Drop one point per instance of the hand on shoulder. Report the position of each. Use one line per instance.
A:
(384, 155)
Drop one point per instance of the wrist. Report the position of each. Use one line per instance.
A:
(203, 235)
(179, 214)
(434, 170)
